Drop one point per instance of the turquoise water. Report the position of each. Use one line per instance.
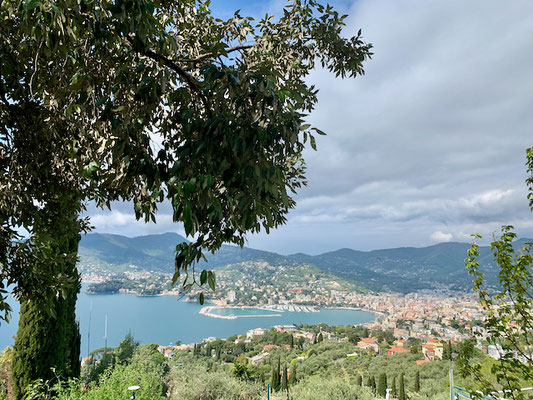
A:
(245, 311)
(166, 319)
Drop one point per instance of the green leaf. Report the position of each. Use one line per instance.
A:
(313, 142)
(201, 298)
(211, 280)
(31, 4)
(203, 277)
(175, 277)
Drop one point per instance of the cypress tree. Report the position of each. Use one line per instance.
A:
(445, 351)
(382, 385)
(275, 381)
(219, 351)
(293, 378)
(359, 380)
(393, 387)
(369, 382)
(292, 341)
(449, 350)
(401, 395)
(284, 380)
(45, 341)
(417, 382)
(273, 378)
(373, 384)
(320, 338)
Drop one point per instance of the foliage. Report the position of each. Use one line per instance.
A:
(43, 342)
(195, 383)
(317, 388)
(6, 358)
(509, 314)
(401, 392)
(241, 371)
(84, 87)
(126, 348)
(284, 379)
(275, 378)
(382, 385)
(226, 98)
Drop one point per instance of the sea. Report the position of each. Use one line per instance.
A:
(168, 319)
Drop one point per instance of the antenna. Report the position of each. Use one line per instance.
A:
(105, 335)
(89, 331)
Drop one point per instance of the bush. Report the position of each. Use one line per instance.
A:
(194, 383)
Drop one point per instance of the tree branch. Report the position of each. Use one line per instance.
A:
(187, 77)
(204, 56)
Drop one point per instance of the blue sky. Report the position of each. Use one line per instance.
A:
(429, 146)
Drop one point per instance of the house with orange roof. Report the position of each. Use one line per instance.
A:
(367, 345)
(169, 353)
(428, 351)
(396, 350)
(420, 362)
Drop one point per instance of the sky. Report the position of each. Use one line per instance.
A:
(427, 147)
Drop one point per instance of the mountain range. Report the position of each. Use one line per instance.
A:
(404, 269)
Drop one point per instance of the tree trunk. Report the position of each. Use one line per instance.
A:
(47, 344)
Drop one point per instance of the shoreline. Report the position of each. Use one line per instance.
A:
(381, 313)
(207, 311)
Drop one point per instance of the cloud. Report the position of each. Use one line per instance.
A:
(432, 139)
(439, 236)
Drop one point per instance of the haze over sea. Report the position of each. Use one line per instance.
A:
(166, 319)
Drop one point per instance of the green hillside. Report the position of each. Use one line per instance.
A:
(402, 269)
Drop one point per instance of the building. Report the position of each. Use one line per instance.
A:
(396, 350)
(255, 332)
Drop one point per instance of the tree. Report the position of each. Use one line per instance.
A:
(393, 387)
(320, 338)
(293, 377)
(369, 381)
(126, 348)
(359, 380)
(401, 393)
(417, 382)
(241, 370)
(284, 380)
(275, 381)
(509, 310)
(106, 101)
(382, 385)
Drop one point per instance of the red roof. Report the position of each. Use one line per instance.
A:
(420, 362)
(395, 350)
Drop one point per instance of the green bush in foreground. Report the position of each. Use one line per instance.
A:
(194, 383)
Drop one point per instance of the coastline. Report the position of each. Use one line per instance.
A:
(380, 313)
(208, 312)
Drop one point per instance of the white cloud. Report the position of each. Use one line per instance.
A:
(440, 236)
(432, 139)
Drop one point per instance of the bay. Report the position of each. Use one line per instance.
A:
(167, 319)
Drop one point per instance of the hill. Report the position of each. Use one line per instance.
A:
(156, 252)
(403, 269)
